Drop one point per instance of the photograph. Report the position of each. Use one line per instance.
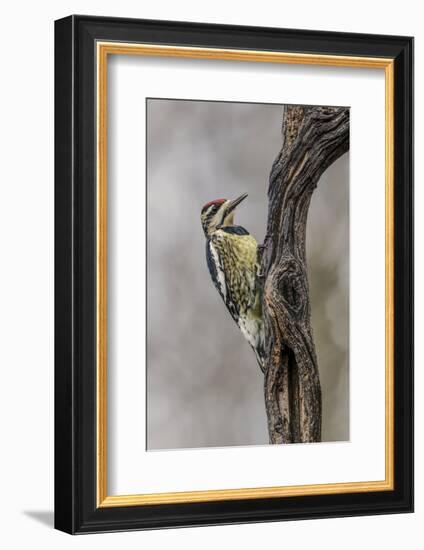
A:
(209, 218)
(233, 273)
(211, 305)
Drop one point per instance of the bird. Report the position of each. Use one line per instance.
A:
(232, 260)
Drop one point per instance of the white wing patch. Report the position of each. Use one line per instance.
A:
(220, 272)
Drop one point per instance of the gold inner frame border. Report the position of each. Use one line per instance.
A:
(103, 50)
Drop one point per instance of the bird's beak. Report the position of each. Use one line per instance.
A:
(235, 202)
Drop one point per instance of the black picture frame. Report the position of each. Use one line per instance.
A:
(76, 509)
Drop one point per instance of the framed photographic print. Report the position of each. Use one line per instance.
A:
(234, 274)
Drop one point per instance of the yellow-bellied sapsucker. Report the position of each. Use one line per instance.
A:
(231, 254)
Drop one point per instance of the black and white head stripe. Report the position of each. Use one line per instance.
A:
(211, 208)
(209, 212)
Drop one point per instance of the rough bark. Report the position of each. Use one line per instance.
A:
(313, 138)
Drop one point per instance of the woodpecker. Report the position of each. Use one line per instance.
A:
(231, 255)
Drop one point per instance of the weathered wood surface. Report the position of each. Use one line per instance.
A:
(313, 138)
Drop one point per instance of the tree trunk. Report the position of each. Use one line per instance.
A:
(313, 138)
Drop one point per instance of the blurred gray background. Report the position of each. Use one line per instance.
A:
(204, 387)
